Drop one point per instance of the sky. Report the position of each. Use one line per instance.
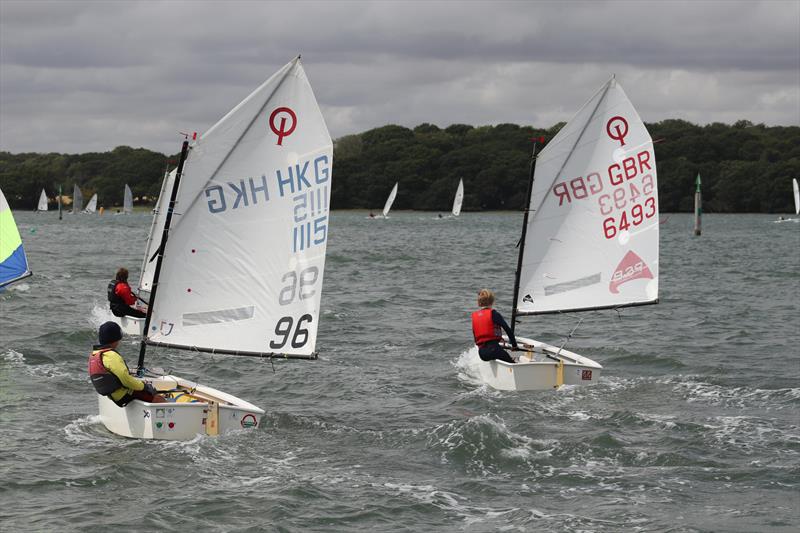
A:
(89, 76)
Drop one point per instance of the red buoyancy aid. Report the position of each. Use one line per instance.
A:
(104, 381)
(483, 327)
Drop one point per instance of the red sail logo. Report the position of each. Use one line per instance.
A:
(631, 267)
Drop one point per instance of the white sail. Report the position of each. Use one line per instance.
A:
(796, 197)
(77, 199)
(389, 201)
(156, 232)
(592, 236)
(127, 206)
(243, 266)
(91, 207)
(42, 202)
(458, 199)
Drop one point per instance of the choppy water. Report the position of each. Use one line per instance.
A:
(695, 425)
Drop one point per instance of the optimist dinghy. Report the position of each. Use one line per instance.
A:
(240, 260)
(13, 262)
(589, 236)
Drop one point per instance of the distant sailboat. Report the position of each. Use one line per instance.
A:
(127, 206)
(796, 197)
(42, 202)
(237, 277)
(589, 237)
(91, 207)
(389, 201)
(796, 191)
(459, 198)
(13, 262)
(77, 199)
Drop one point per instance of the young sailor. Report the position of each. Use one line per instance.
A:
(121, 297)
(110, 375)
(486, 324)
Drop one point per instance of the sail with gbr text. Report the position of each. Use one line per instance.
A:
(592, 235)
(243, 266)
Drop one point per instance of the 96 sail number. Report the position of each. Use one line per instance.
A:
(283, 330)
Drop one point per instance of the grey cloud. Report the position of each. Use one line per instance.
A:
(80, 76)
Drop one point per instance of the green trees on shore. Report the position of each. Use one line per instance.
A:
(745, 168)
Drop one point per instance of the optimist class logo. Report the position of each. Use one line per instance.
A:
(631, 267)
(282, 131)
(617, 129)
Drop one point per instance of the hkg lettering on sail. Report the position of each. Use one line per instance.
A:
(255, 191)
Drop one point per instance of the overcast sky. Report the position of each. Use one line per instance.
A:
(89, 76)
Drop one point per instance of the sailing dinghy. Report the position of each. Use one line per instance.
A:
(127, 203)
(796, 191)
(589, 236)
(389, 201)
(132, 325)
(77, 199)
(42, 206)
(241, 271)
(13, 262)
(91, 207)
(459, 199)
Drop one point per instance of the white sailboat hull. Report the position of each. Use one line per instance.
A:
(131, 325)
(542, 372)
(179, 421)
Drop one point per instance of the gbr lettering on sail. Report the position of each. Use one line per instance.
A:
(623, 190)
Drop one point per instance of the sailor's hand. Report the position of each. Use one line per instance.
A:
(149, 389)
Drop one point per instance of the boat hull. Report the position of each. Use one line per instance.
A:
(219, 413)
(538, 369)
(131, 325)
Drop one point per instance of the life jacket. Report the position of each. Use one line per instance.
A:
(104, 381)
(483, 327)
(117, 304)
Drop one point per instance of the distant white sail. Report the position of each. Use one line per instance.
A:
(796, 197)
(156, 232)
(42, 202)
(243, 267)
(91, 207)
(458, 199)
(127, 206)
(77, 199)
(390, 200)
(592, 236)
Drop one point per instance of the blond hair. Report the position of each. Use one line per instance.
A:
(485, 298)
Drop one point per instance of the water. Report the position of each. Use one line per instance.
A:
(694, 426)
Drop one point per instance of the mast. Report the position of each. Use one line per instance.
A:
(522, 238)
(162, 248)
(698, 207)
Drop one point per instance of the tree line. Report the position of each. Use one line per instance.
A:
(745, 167)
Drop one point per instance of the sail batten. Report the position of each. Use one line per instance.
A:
(592, 232)
(243, 267)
